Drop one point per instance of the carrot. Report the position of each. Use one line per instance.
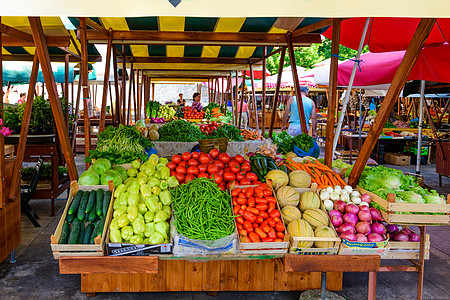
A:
(322, 165)
(340, 180)
(330, 178)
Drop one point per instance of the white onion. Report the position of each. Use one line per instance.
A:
(348, 188)
(355, 193)
(363, 203)
(329, 189)
(344, 192)
(345, 198)
(334, 196)
(324, 195)
(328, 204)
(337, 189)
(356, 200)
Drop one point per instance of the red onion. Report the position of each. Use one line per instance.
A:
(352, 208)
(334, 212)
(340, 206)
(365, 198)
(346, 227)
(401, 237)
(376, 216)
(350, 218)
(365, 216)
(378, 228)
(360, 237)
(363, 228)
(363, 207)
(392, 228)
(407, 231)
(337, 220)
(348, 236)
(414, 237)
(374, 237)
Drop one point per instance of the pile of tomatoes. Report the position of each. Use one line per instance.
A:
(210, 128)
(189, 113)
(258, 219)
(220, 167)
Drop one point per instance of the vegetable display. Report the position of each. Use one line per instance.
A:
(179, 131)
(202, 211)
(165, 113)
(261, 165)
(152, 109)
(225, 131)
(100, 172)
(212, 110)
(285, 142)
(190, 113)
(251, 135)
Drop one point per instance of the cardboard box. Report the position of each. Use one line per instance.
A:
(397, 159)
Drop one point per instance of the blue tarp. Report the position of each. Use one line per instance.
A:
(20, 73)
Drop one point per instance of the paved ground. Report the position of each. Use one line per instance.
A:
(35, 275)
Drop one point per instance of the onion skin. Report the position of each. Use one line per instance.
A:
(401, 237)
(346, 227)
(361, 237)
(351, 219)
(392, 228)
(364, 207)
(378, 228)
(363, 228)
(348, 236)
(365, 216)
(340, 206)
(374, 237)
(407, 231)
(337, 220)
(334, 212)
(376, 215)
(351, 208)
(365, 198)
(414, 237)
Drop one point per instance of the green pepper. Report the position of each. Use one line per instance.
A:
(138, 226)
(165, 197)
(153, 159)
(123, 221)
(136, 239)
(165, 173)
(149, 169)
(114, 224)
(146, 190)
(129, 181)
(164, 185)
(156, 238)
(156, 190)
(136, 164)
(146, 241)
(161, 216)
(152, 203)
(141, 174)
(149, 229)
(119, 190)
(115, 236)
(173, 182)
(142, 208)
(149, 216)
(122, 210)
(163, 160)
(163, 228)
(134, 188)
(116, 204)
(157, 174)
(123, 198)
(153, 181)
(127, 232)
(133, 200)
(132, 212)
(141, 180)
(168, 210)
(159, 167)
(132, 172)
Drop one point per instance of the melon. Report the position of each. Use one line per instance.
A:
(290, 155)
(299, 179)
(277, 179)
(315, 217)
(301, 228)
(153, 135)
(290, 213)
(153, 127)
(326, 232)
(288, 196)
(309, 200)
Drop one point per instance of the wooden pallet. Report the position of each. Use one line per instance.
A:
(408, 250)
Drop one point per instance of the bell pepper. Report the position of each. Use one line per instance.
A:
(146, 241)
(141, 174)
(153, 181)
(160, 166)
(115, 236)
(149, 169)
(119, 190)
(134, 188)
(116, 204)
(156, 238)
(123, 221)
(168, 210)
(136, 164)
(132, 172)
(161, 216)
(123, 199)
(165, 173)
(173, 182)
(149, 216)
(114, 224)
(163, 228)
(142, 208)
(164, 185)
(156, 190)
(133, 199)
(149, 229)
(127, 233)
(163, 160)
(138, 225)
(141, 180)
(151, 203)
(165, 197)
(153, 159)
(146, 190)
(129, 181)
(118, 212)
(132, 212)
(157, 174)
(136, 239)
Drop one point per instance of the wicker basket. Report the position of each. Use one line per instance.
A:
(209, 144)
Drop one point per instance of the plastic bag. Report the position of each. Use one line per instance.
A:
(314, 151)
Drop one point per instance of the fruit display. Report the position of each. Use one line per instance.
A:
(100, 172)
(166, 112)
(190, 113)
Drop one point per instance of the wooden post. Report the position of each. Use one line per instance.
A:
(277, 90)
(433, 129)
(236, 97)
(105, 83)
(438, 125)
(254, 97)
(44, 59)
(130, 85)
(242, 99)
(298, 95)
(85, 85)
(153, 92)
(2, 138)
(263, 100)
(332, 96)
(116, 85)
(421, 265)
(124, 85)
(135, 79)
(139, 86)
(403, 71)
(66, 82)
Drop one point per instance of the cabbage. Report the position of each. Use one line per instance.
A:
(140, 123)
(383, 178)
(111, 175)
(89, 177)
(101, 165)
(431, 199)
(121, 171)
(409, 197)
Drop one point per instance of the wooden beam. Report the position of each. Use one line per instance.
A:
(116, 84)
(96, 26)
(52, 41)
(331, 263)
(277, 91)
(403, 71)
(315, 26)
(438, 125)
(153, 92)
(124, 86)
(53, 58)
(84, 75)
(263, 100)
(146, 37)
(105, 85)
(298, 94)
(242, 99)
(190, 60)
(11, 31)
(42, 53)
(2, 138)
(130, 86)
(72, 40)
(433, 129)
(66, 85)
(336, 34)
(255, 105)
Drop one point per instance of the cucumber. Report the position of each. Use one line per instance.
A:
(88, 233)
(69, 218)
(74, 232)
(81, 235)
(82, 207)
(271, 165)
(92, 216)
(91, 201)
(64, 233)
(100, 226)
(99, 202)
(106, 200)
(75, 202)
(94, 233)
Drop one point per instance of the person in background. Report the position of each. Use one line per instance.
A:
(309, 109)
(22, 99)
(196, 102)
(244, 117)
(181, 102)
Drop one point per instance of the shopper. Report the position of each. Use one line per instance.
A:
(196, 102)
(22, 99)
(181, 102)
(291, 110)
(244, 117)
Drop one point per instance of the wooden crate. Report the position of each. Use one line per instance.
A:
(408, 250)
(344, 250)
(392, 212)
(98, 249)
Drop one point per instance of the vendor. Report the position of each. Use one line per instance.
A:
(196, 102)
(181, 102)
(309, 109)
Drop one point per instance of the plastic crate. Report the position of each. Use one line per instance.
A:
(423, 159)
(413, 149)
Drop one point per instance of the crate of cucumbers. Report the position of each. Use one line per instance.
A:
(82, 228)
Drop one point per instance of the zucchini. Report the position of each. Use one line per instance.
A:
(69, 218)
(91, 201)
(271, 165)
(99, 202)
(94, 233)
(75, 202)
(106, 200)
(92, 216)
(82, 207)
(74, 231)
(88, 233)
(81, 235)
(64, 233)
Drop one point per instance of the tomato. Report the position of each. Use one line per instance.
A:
(271, 208)
(220, 172)
(267, 192)
(228, 176)
(239, 158)
(245, 181)
(222, 186)
(228, 185)
(259, 192)
(280, 235)
(176, 159)
(189, 177)
(279, 227)
(239, 176)
(202, 175)
(272, 233)
(192, 162)
(271, 222)
(251, 201)
(246, 167)
(253, 210)
(219, 163)
(260, 233)
(259, 219)
(249, 216)
(254, 237)
(243, 232)
(195, 155)
(264, 214)
(248, 226)
(249, 192)
(236, 209)
(172, 173)
(263, 186)
(275, 213)
(172, 166)
(180, 170)
(260, 200)
(262, 207)
(217, 178)
(267, 240)
(183, 164)
(241, 201)
(240, 220)
(255, 225)
(271, 199)
(186, 156)
(202, 168)
(225, 157)
(180, 177)
(192, 170)
(234, 167)
(235, 192)
(213, 169)
(204, 159)
(214, 153)
(251, 176)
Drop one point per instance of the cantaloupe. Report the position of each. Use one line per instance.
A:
(277, 179)
(299, 179)
(315, 217)
(324, 231)
(153, 135)
(153, 127)
(301, 228)
(290, 213)
(288, 196)
(309, 200)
